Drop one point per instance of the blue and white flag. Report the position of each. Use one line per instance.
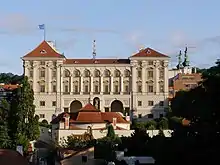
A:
(41, 27)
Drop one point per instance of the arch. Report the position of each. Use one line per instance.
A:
(75, 106)
(117, 73)
(86, 73)
(107, 73)
(96, 102)
(66, 73)
(96, 73)
(76, 73)
(117, 106)
(127, 73)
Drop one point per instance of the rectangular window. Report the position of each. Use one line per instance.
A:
(66, 109)
(54, 103)
(116, 89)
(150, 116)
(139, 103)
(150, 88)
(150, 74)
(126, 88)
(42, 73)
(41, 115)
(42, 63)
(150, 62)
(76, 89)
(54, 74)
(31, 73)
(42, 103)
(96, 88)
(161, 88)
(42, 88)
(66, 88)
(161, 103)
(161, 75)
(106, 109)
(86, 88)
(139, 74)
(139, 88)
(54, 88)
(106, 89)
(150, 103)
(139, 115)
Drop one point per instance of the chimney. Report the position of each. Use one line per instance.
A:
(67, 121)
(114, 122)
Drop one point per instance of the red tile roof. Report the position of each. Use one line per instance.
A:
(88, 108)
(89, 117)
(148, 52)
(44, 50)
(96, 61)
(9, 86)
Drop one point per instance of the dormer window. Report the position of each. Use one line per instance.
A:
(148, 51)
(43, 51)
(76, 62)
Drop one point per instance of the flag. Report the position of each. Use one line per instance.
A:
(41, 27)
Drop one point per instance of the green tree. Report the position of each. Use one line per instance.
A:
(111, 132)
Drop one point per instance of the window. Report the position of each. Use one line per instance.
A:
(96, 88)
(161, 103)
(54, 88)
(150, 62)
(97, 74)
(126, 88)
(41, 115)
(127, 73)
(66, 109)
(76, 73)
(54, 63)
(42, 63)
(161, 88)
(54, 74)
(66, 73)
(150, 116)
(86, 73)
(161, 74)
(117, 73)
(42, 73)
(76, 89)
(106, 109)
(106, 89)
(139, 73)
(42, 103)
(31, 73)
(150, 74)
(86, 88)
(139, 88)
(150, 103)
(139, 103)
(42, 88)
(116, 89)
(54, 103)
(161, 115)
(150, 88)
(139, 115)
(66, 88)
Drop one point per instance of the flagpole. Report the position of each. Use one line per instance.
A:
(44, 32)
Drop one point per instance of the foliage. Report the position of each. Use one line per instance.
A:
(111, 132)
(163, 123)
(9, 78)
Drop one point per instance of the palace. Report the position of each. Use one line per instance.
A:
(136, 86)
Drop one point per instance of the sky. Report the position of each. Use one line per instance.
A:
(120, 28)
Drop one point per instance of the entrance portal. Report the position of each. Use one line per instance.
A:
(117, 106)
(75, 106)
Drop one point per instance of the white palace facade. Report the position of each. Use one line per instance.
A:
(137, 85)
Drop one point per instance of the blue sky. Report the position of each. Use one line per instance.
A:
(120, 28)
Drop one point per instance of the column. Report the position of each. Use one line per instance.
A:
(101, 84)
(81, 85)
(91, 84)
(143, 80)
(166, 79)
(49, 79)
(112, 84)
(156, 78)
(134, 79)
(71, 84)
(122, 85)
(35, 75)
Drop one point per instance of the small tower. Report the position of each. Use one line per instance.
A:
(179, 66)
(186, 58)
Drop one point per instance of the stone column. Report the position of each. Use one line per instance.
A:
(91, 84)
(49, 78)
(156, 77)
(81, 85)
(71, 84)
(101, 84)
(111, 84)
(166, 78)
(122, 85)
(143, 78)
(134, 77)
(35, 77)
